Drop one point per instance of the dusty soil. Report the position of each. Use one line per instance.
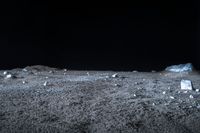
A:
(96, 102)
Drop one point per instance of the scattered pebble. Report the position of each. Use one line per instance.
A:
(25, 70)
(45, 83)
(65, 70)
(8, 76)
(185, 92)
(134, 95)
(153, 104)
(46, 77)
(5, 72)
(171, 97)
(88, 73)
(169, 88)
(197, 90)
(23, 82)
(117, 85)
(135, 71)
(198, 106)
(179, 92)
(115, 75)
(191, 96)
(50, 71)
(107, 77)
(143, 79)
(164, 92)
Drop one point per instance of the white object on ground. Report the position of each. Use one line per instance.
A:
(191, 96)
(180, 68)
(115, 75)
(186, 85)
(25, 70)
(8, 76)
(5, 72)
(197, 90)
(45, 83)
(164, 92)
(23, 82)
(171, 97)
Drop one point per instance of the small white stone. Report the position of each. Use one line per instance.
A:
(186, 85)
(171, 97)
(164, 92)
(65, 70)
(25, 70)
(88, 73)
(197, 90)
(107, 77)
(153, 104)
(143, 79)
(46, 77)
(185, 92)
(198, 106)
(134, 95)
(23, 82)
(179, 92)
(169, 88)
(50, 71)
(45, 83)
(8, 76)
(5, 72)
(135, 71)
(191, 96)
(115, 75)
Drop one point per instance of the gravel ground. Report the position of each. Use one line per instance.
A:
(48, 100)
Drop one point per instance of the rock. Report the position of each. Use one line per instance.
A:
(191, 96)
(8, 76)
(186, 85)
(180, 68)
(115, 75)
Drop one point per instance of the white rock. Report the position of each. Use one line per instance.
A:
(191, 96)
(5, 72)
(171, 97)
(197, 90)
(115, 75)
(65, 70)
(45, 83)
(25, 70)
(164, 92)
(186, 85)
(23, 82)
(134, 95)
(180, 68)
(8, 76)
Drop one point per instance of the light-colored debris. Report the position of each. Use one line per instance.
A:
(171, 97)
(8, 76)
(88, 74)
(185, 92)
(164, 92)
(115, 75)
(191, 96)
(169, 88)
(45, 83)
(134, 71)
(180, 68)
(65, 70)
(134, 95)
(198, 106)
(5, 72)
(117, 85)
(153, 104)
(186, 85)
(50, 71)
(25, 70)
(46, 77)
(197, 90)
(24, 82)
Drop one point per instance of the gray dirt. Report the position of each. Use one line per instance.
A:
(96, 102)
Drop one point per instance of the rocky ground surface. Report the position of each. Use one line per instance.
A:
(42, 99)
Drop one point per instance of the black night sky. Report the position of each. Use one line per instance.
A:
(139, 37)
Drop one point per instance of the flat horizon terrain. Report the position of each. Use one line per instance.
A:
(42, 99)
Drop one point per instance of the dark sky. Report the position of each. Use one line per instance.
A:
(136, 37)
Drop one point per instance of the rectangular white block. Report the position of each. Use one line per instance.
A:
(186, 85)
